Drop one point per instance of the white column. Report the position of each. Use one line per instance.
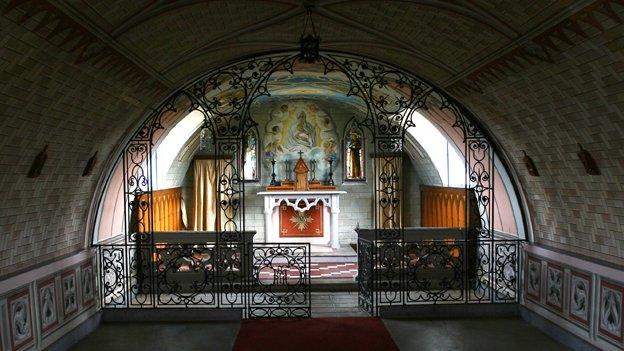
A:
(334, 228)
(268, 212)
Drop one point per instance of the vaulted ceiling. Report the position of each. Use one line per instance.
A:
(541, 75)
(169, 42)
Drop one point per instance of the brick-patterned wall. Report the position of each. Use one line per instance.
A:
(47, 98)
(546, 110)
(76, 110)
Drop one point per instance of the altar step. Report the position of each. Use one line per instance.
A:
(323, 254)
(333, 285)
(333, 275)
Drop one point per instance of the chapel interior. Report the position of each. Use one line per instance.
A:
(312, 175)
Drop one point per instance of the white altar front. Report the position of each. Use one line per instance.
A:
(302, 201)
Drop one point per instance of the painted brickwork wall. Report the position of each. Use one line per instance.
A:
(78, 108)
(546, 110)
(45, 99)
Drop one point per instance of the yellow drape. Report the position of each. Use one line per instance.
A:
(206, 213)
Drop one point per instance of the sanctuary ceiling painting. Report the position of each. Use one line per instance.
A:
(300, 126)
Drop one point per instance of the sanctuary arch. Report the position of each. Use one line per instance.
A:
(280, 156)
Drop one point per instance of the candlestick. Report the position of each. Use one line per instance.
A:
(288, 170)
(273, 181)
(330, 181)
(313, 165)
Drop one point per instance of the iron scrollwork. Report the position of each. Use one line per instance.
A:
(141, 273)
(280, 281)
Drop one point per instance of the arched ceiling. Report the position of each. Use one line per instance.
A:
(542, 76)
(171, 41)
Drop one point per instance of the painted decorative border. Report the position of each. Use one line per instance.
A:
(580, 296)
(87, 284)
(43, 307)
(554, 286)
(69, 293)
(593, 278)
(20, 296)
(33, 282)
(533, 290)
(614, 308)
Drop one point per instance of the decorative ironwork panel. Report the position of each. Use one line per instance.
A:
(434, 271)
(280, 281)
(388, 188)
(479, 159)
(506, 271)
(230, 190)
(479, 277)
(388, 272)
(137, 189)
(113, 276)
(365, 275)
(140, 275)
(233, 267)
(185, 274)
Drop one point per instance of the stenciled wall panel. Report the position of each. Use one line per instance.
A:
(41, 305)
(583, 297)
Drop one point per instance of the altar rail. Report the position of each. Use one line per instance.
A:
(260, 279)
(440, 268)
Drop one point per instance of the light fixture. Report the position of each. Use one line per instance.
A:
(38, 163)
(90, 165)
(530, 166)
(588, 161)
(309, 42)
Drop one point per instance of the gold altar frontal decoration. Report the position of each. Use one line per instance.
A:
(301, 182)
(293, 223)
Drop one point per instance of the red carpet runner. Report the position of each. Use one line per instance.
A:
(324, 334)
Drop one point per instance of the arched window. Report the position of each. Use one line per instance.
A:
(251, 169)
(354, 151)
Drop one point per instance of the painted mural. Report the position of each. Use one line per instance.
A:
(300, 126)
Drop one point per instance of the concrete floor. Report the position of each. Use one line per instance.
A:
(481, 334)
(508, 334)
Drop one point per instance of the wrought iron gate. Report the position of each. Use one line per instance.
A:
(280, 285)
(261, 279)
(268, 280)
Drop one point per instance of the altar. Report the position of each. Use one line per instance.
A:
(314, 214)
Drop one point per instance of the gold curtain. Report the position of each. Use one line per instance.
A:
(166, 208)
(207, 215)
(388, 205)
(442, 207)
